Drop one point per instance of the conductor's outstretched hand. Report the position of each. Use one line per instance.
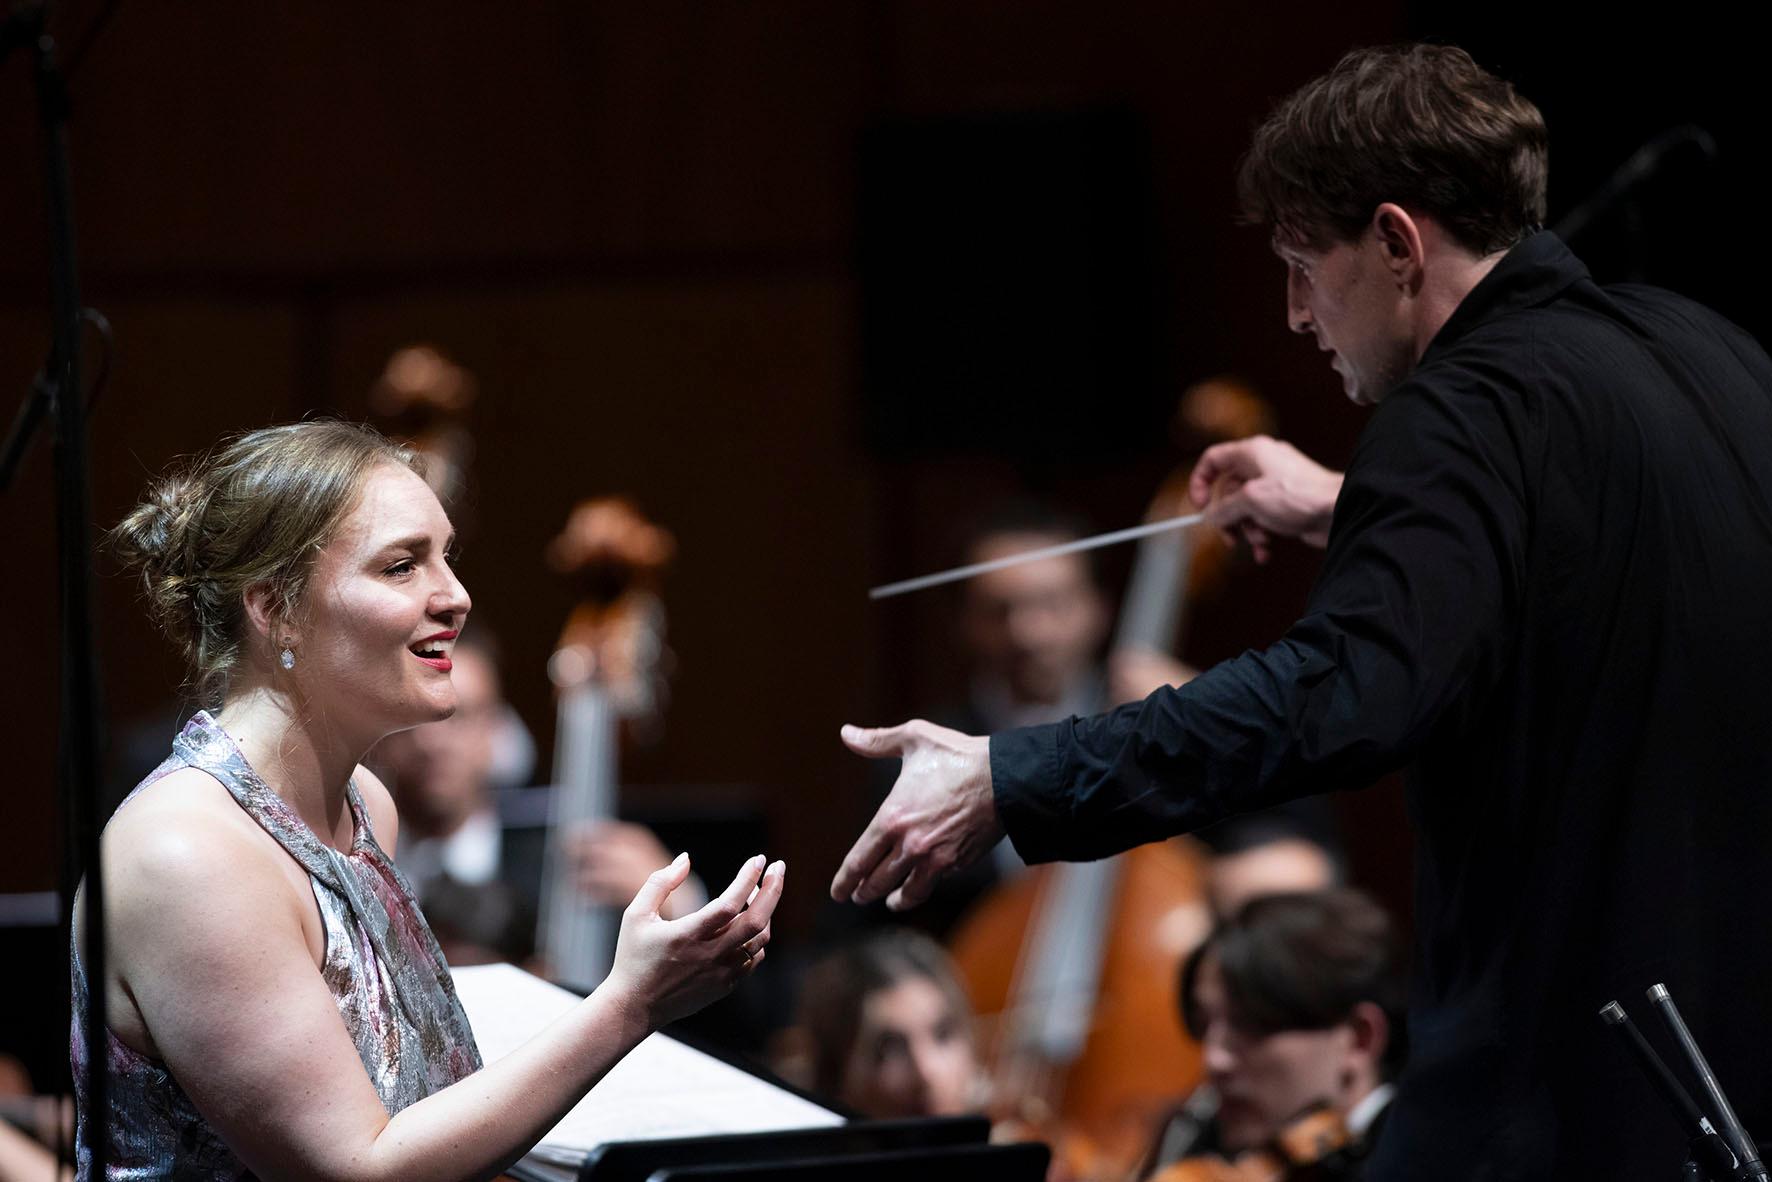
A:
(939, 817)
(1259, 488)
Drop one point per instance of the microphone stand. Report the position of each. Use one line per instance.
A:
(1719, 1155)
(1730, 1128)
(58, 394)
(1617, 190)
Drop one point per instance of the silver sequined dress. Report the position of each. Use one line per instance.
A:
(383, 967)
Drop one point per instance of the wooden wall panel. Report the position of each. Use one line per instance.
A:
(634, 222)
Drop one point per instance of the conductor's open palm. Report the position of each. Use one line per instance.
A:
(939, 817)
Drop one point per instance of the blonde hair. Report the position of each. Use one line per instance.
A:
(256, 509)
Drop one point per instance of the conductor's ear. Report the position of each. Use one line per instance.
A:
(1399, 239)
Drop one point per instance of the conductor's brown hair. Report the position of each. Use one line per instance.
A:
(1423, 126)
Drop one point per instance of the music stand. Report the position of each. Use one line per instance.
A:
(636, 1161)
(1025, 1162)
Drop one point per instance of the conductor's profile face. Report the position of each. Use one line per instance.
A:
(383, 609)
(1344, 296)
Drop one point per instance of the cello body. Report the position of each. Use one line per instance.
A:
(1098, 1107)
(1074, 968)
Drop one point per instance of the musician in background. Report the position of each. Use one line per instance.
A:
(1288, 848)
(1297, 1003)
(1034, 633)
(1034, 636)
(445, 776)
(32, 1127)
(885, 1029)
(24, 1159)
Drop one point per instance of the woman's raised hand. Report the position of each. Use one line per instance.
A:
(674, 967)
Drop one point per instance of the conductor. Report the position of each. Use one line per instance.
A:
(1544, 591)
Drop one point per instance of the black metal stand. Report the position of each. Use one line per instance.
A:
(1616, 196)
(59, 394)
(1719, 1151)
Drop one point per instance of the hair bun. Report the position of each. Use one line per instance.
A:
(160, 540)
(157, 533)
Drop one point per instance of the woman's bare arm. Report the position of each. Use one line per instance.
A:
(209, 942)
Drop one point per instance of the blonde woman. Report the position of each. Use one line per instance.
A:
(278, 1006)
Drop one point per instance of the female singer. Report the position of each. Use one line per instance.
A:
(278, 1006)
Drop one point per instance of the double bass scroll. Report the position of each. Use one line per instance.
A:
(608, 671)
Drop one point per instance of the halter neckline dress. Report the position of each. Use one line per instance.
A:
(382, 967)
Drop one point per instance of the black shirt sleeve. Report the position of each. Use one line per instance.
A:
(1412, 612)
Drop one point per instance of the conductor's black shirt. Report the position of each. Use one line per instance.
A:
(1548, 589)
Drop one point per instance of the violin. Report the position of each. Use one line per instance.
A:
(1316, 1147)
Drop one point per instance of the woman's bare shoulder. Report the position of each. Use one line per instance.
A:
(177, 841)
(181, 810)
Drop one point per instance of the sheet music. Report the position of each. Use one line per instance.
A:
(663, 1088)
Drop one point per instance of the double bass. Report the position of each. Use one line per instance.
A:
(608, 671)
(422, 398)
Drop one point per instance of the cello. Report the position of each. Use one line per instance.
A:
(1072, 966)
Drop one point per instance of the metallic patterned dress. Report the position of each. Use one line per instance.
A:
(383, 967)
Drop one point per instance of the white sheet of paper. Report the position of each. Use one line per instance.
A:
(663, 1088)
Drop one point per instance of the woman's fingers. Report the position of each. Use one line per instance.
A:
(659, 885)
(747, 951)
(730, 904)
(750, 931)
(768, 895)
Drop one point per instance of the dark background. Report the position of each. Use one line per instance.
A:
(811, 280)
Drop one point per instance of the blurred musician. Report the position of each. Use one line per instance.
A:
(1034, 636)
(1297, 1001)
(422, 399)
(888, 1031)
(444, 777)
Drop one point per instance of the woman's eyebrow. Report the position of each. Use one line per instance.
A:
(417, 543)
